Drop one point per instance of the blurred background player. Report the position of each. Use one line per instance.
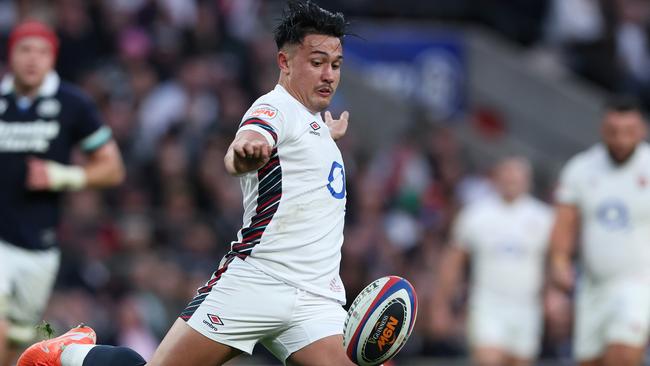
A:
(288, 251)
(603, 197)
(41, 120)
(505, 237)
(172, 79)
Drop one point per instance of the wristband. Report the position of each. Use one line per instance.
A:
(65, 177)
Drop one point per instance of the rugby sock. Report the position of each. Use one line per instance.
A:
(112, 356)
(92, 355)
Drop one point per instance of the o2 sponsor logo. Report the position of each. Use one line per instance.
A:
(613, 215)
(336, 179)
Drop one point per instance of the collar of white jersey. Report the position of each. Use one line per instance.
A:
(641, 150)
(281, 89)
(517, 202)
(48, 88)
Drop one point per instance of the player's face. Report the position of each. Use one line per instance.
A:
(31, 59)
(621, 132)
(512, 178)
(314, 70)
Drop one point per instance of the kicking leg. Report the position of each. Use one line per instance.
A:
(184, 346)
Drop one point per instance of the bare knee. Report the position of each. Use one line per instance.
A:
(518, 361)
(489, 356)
(623, 355)
(594, 362)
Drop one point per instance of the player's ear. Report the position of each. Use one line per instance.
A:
(604, 127)
(283, 61)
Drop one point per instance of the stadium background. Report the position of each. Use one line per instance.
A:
(436, 89)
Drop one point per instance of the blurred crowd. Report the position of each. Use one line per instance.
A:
(172, 78)
(605, 41)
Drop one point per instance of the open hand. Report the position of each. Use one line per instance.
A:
(337, 127)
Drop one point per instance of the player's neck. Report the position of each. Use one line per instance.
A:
(510, 199)
(23, 90)
(283, 82)
(622, 160)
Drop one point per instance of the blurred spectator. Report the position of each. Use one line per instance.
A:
(186, 104)
(173, 78)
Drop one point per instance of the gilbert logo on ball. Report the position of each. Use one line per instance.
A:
(380, 321)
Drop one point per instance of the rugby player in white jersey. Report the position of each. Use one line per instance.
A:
(279, 285)
(603, 198)
(505, 237)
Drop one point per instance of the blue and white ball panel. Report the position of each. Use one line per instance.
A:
(380, 321)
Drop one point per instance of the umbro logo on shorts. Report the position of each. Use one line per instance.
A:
(211, 321)
(215, 319)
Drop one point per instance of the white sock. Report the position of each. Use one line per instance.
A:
(74, 354)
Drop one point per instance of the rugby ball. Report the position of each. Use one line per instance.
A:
(380, 320)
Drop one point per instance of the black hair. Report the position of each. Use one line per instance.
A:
(301, 18)
(623, 103)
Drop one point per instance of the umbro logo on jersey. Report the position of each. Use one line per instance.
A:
(314, 127)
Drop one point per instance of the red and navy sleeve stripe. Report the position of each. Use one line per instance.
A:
(262, 124)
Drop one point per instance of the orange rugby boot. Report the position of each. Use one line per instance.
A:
(48, 352)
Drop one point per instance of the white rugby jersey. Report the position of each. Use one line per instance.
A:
(614, 206)
(507, 243)
(294, 206)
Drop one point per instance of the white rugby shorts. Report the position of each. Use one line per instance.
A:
(242, 305)
(612, 312)
(515, 328)
(26, 280)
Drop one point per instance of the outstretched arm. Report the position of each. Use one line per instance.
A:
(249, 151)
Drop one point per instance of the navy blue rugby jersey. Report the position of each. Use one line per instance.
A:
(49, 126)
